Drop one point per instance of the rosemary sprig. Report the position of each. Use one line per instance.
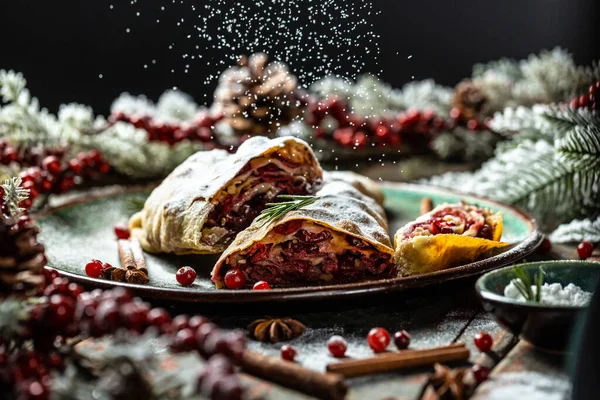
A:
(523, 283)
(135, 204)
(274, 211)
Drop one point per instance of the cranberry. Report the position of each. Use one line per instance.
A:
(261, 285)
(197, 321)
(480, 373)
(483, 341)
(545, 246)
(180, 322)
(221, 363)
(74, 290)
(75, 166)
(51, 164)
(402, 339)
(134, 315)
(158, 317)
(235, 279)
(107, 314)
(93, 269)
(288, 353)
(230, 388)
(337, 346)
(204, 332)
(185, 276)
(61, 310)
(121, 231)
(378, 339)
(62, 285)
(184, 340)
(585, 249)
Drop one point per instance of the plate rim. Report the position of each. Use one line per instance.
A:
(312, 293)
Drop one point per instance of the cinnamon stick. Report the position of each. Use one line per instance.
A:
(404, 359)
(326, 386)
(132, 261)
(426, 205)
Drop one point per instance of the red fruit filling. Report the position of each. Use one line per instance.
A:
(303, 252)
(260, 182)
(463, 220)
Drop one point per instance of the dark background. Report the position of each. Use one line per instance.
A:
(63, 46)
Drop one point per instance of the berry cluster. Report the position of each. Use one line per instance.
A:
(49, 172)
(67, 311)
(198, 129)
(413, 127)
(589, 100)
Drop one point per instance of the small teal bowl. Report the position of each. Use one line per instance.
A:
(546, 327)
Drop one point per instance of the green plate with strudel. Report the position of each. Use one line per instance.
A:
(269, 213)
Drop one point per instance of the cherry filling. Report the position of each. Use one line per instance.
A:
(236, 212)
(308, 257)
(437, 224)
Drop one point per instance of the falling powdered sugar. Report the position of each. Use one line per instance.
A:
(553, 294)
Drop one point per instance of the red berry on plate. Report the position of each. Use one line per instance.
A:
(480, 373)
(185, 276)
(545, 246)
(378, 339)
(51, 164)
(483, 341)
(402, 339)
(122, 232)
(585, 249)
(235, 279)
(93, 269)
(288, 353)
(261, 285)
(337, 346)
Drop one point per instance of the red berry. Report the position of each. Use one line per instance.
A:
(93, 269)
(480, 373)
(61, 310)
(75, 166)
(185, 276)
(121, 231)
(337, 346)
(50, 274)
(261, 285)
(483, 341)
(545, 246)
(180, 322)
(103, 168)
(74, 290)
(34, 390)
(51, 164)
(288, 353)
(378, 339)
(158, 317)
(134, 315)
(402, 339)
(67, 183)
(107, 314)
(585, 249)
(583, 101)
(235, 279)
(62, 285)
(574, 103)
(197, 321)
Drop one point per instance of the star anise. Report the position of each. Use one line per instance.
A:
(446, 383)
(276, 329)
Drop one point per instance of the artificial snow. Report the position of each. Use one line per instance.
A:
(553, 294)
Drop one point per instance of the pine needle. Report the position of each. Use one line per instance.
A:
(135, 204)
(275, 211)
(14, 194)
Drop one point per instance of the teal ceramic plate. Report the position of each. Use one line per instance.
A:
(547, 327)
(82, 230)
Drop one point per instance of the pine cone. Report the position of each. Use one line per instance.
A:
(257, 97)
(471, 100)
(22, 258)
